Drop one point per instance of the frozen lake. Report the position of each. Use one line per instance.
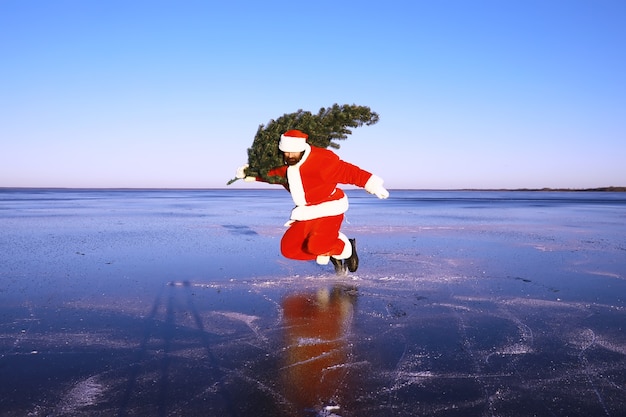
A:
(178, 303)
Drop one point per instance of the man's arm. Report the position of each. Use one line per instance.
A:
(276, 172)
(347, 173)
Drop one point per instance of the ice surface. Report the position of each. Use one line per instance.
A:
(178, 303)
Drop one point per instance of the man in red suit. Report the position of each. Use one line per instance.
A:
(312, 175)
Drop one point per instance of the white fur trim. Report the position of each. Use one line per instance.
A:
(347, 249)
(295, 180)
(315, 211)
(291, 144)
(322, 259)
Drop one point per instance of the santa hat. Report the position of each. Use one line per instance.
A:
(293, 141)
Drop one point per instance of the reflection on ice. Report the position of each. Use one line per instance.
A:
(317, 355)
(83, 394)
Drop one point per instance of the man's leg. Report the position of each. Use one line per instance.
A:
(292, 245)
(324, 237)
(317, 239)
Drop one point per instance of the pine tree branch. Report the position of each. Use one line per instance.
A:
(325, 128)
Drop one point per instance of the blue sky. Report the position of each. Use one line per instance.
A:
(471, 94)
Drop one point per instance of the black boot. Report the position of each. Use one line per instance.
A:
(352, 263)
(340, 268)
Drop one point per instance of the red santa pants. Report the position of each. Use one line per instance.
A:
(305, 240)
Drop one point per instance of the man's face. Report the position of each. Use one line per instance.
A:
(292, 158)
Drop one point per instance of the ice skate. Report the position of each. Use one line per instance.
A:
(352, 263)
(340, 267)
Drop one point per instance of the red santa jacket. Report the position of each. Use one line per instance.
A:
(313, 181)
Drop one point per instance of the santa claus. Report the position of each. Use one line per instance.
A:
(312, 175)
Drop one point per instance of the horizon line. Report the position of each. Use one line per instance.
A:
(564, 189)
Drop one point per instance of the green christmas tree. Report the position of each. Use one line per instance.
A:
(324, 128)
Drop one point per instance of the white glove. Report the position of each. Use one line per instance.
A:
(375, 186)
(241, 174)
(241, 171)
